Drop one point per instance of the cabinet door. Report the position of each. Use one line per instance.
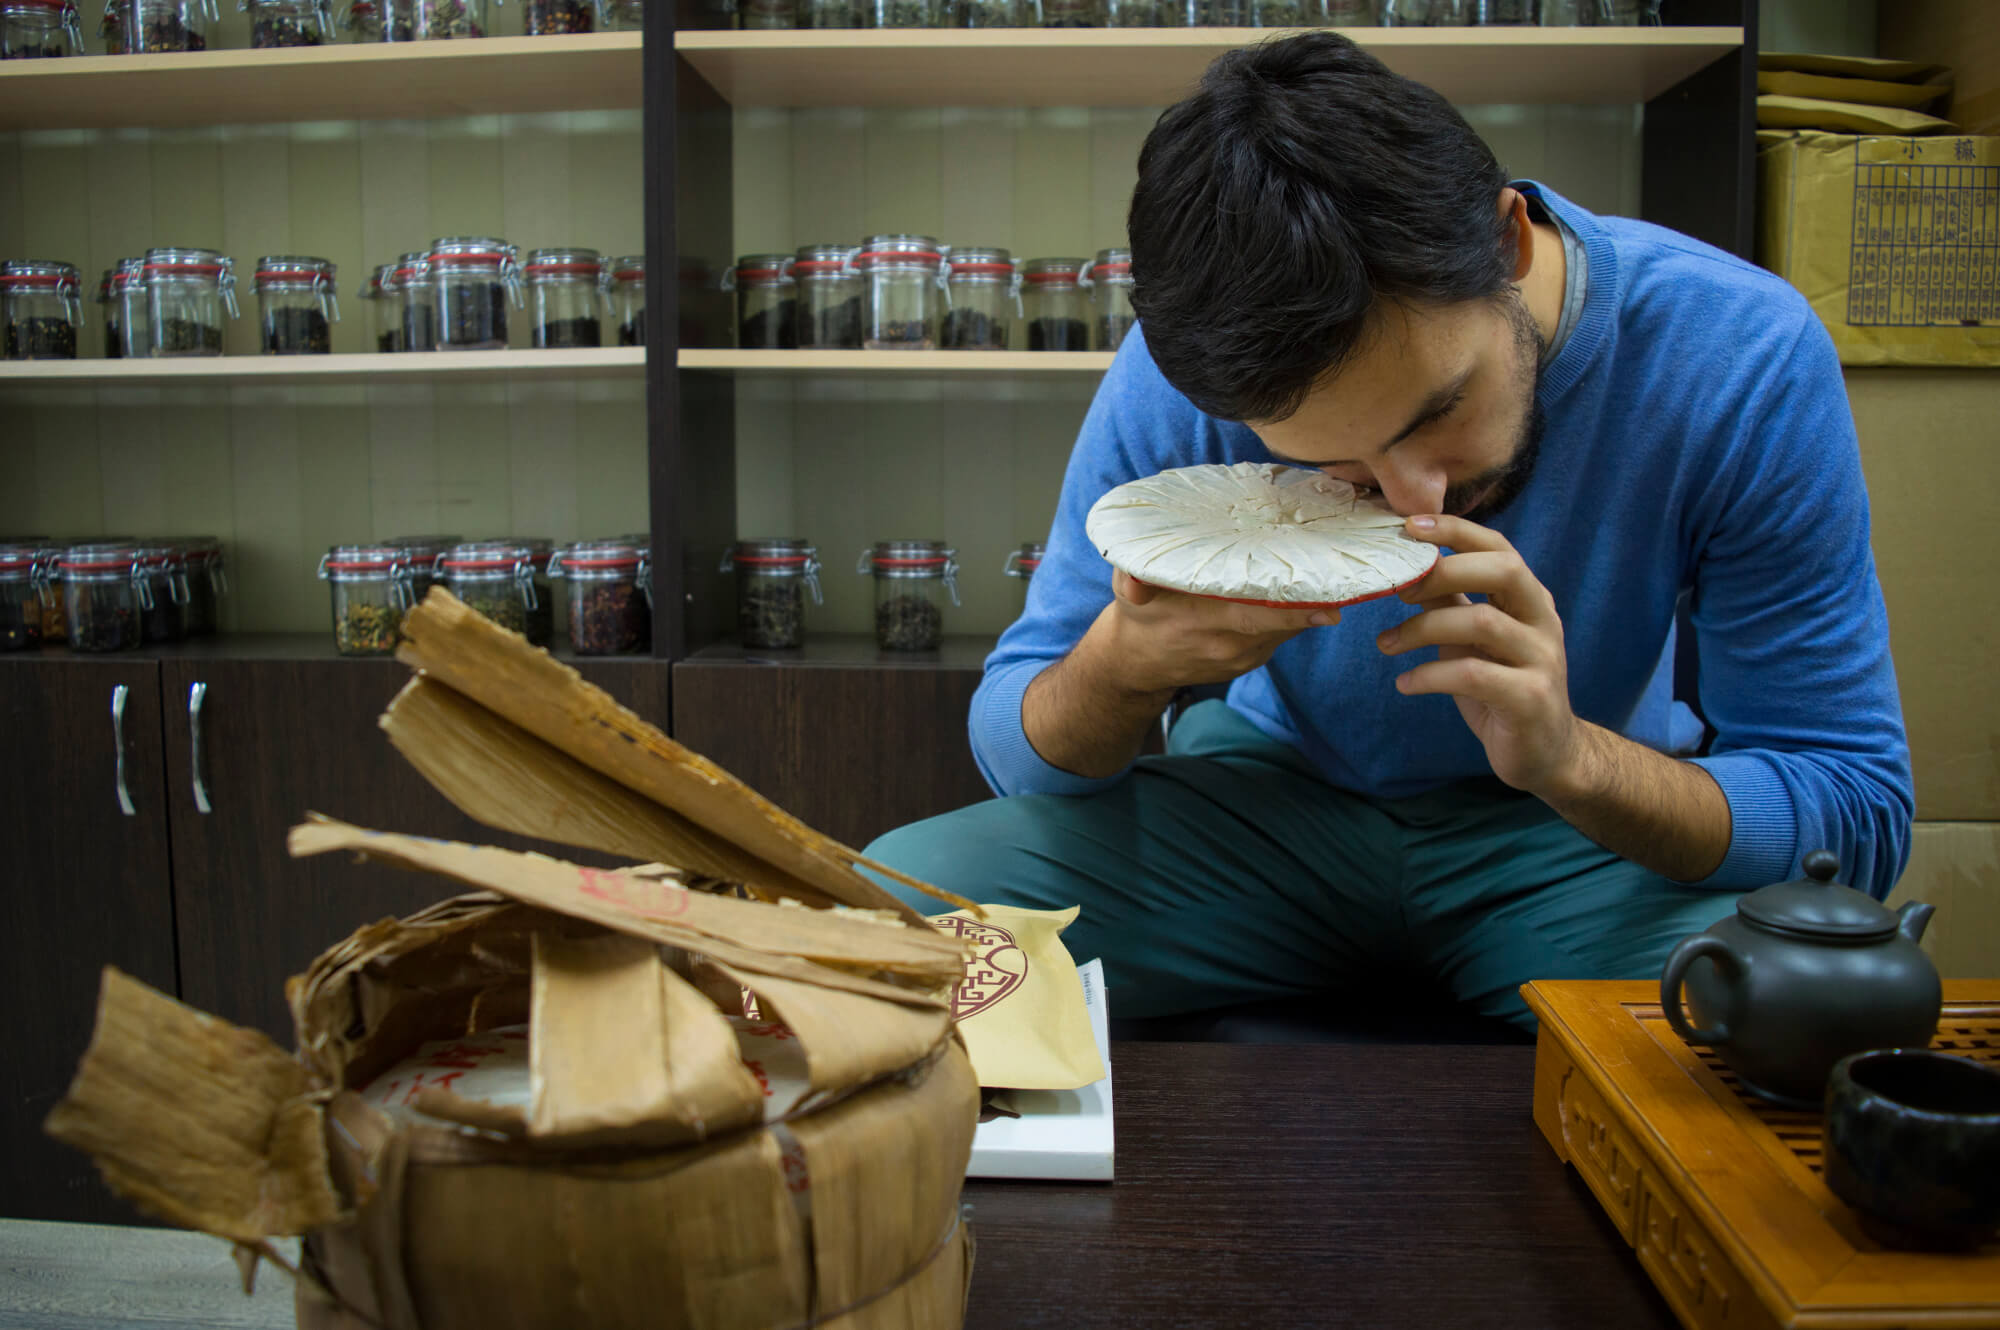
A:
(86, 886)
(272, 740)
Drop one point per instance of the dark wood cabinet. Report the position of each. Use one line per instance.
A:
(87, 884)
(852, 740)
(270, 741)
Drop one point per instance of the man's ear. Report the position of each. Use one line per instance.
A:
(1514, 211)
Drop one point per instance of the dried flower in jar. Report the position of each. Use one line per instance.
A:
(366, 630)
(610, 619)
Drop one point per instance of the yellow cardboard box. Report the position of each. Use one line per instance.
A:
(1895, 241)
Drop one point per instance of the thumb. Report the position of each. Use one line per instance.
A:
(1129, 588)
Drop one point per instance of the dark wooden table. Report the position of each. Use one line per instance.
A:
(1271, 1185)
(1312, 1185)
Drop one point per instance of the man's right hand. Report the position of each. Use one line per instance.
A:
(1090, 712)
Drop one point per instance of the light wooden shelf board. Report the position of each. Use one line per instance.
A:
(889, 364)
(1155, 66)
(414, 367)
(587, 72)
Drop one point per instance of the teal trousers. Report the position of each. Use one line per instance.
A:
(1228, 871)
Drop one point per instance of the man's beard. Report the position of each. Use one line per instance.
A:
(1487, 494)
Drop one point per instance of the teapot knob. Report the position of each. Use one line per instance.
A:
(1822, 865)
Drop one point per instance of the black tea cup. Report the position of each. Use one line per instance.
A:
(1912, 1142)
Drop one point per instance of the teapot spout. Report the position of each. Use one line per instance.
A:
(1915, 917)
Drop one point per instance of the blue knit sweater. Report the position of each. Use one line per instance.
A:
(1699, 439)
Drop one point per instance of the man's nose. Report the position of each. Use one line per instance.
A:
(1410, 489)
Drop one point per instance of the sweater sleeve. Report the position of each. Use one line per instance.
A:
(1137, 425)
(1793, 640)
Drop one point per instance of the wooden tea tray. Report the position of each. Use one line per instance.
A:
(1720, 1192)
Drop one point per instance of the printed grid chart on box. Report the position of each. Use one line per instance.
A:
(1926, 246)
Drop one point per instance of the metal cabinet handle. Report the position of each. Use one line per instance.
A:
(118, 696)
(197, 693)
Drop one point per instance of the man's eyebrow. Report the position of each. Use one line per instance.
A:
(1427, 410)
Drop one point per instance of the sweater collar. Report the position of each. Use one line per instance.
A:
(1600, 299)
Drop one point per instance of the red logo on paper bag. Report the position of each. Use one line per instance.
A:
(998, 965)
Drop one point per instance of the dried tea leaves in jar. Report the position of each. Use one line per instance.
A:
(908, 621)
(974, 330)
(610, 619)
(186, 337)
(553, 17)
(1058, 335)
(293, 332)
(41, 338)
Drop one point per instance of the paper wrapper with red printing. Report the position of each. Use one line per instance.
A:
(647, 1175)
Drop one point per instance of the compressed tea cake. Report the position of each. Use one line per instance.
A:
(1257, 532)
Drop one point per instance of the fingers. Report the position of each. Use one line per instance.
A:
(1483, 627)
(1212, 614)
(1503, 689)
(1502, 576)
(1130, 589)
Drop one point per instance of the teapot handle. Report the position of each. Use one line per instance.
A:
(1690, 949)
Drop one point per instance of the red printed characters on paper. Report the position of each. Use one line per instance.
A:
(998, 965)
(647, 897)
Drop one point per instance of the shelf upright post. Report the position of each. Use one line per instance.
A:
(1698, 147)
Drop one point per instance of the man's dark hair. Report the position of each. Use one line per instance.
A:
(1303, 183)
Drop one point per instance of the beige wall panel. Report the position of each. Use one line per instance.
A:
(465, 177)
(256, 217)
(402, 460)
(536, 184)
(474, 491)
(13, 197)
(54, 178)
(608, 475)
(1052, 195)
(331, 426)
(976, 175)
(830, 461)
(1115, 139)
(269, 589)
(134, 459)
(196, 481)
(120, 163)
(325, 188)
(540, 460)
(765, 476)
(69, 474)
(606, 155)
(395, 212)
(762, 184)
(901, 172)
(187, 189)
(975, 485)
(828, 186)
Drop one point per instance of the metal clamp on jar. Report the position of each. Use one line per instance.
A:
(766, 302)
(104, 593)
(1057, 305)
(474, 277)
(296, 306)
(39, 30)
(20, 597)
(565, 294)
(912, 577)
(281, 23)
(432, 20)
(370, 589)
(983, 288)
(163, 611)
(496, 580)
(122, 292)
(773, 574)
(207, 583)
(43, 304)
(187, 292)
(610, 596)
(903, 289)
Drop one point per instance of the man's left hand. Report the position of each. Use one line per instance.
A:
(1502, 661)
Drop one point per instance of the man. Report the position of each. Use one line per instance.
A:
(1486, 781)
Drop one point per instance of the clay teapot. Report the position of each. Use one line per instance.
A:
(1804, 973)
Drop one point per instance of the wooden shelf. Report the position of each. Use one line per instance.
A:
(589, 72)
(965, 364)
(419, 367)
(1155, 66)
(846, 651)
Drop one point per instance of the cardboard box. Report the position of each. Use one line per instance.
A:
(1930, 447)
(1895, 241)
(1956, 867)
(1959, 33)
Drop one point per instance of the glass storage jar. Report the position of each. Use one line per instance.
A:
(610, 595)
(112, 27)
(766, 302)
(1287, 13)
(1503, 13)
(761, 14)
(422, 553)
(832, 14)
(473, 277)
(432, 20)
(279, 23)
(1069, 13)
(541, 614)
(1142, 14)
(104, 593)
(163, 611)
(984, 13)
(370, 589)
(912, 579)
(122, 292)
(1057, 305)
(1022, 563)
(362, 21)
(625, 15)
(550, 18)
(410, 298)
(20, 597)
(187, 292)
(497, 580)
(1363, 13)
(901, 13)
(207, 583)
(296, 306)
(167, 25)
(902, 289)
(42, 304)
(1111, 297)
(383, 326)
(983, 290)
(773, 575)
(625, 288)
(565, 294)
(829, 310)
(1426, 13)
(39, 29)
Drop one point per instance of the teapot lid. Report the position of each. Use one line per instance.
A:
(1817, 905)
